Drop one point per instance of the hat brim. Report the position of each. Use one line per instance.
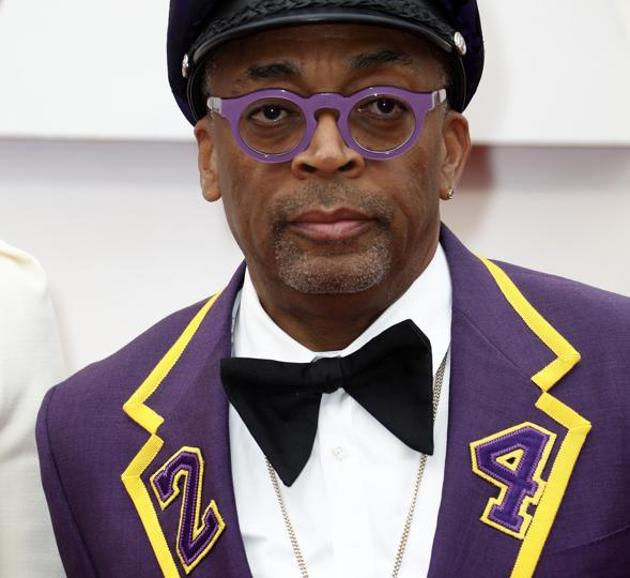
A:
(208, 43)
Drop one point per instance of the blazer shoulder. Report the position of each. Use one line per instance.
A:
(93, 399)
(559, 292)
(106, 384)
(594, 320)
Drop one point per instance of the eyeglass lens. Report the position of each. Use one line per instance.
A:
(272, 125)
(382, 123)
(377, 123)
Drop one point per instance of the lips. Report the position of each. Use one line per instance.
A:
(337, 225)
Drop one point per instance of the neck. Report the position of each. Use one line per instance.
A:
(325, 323)
(331, 322)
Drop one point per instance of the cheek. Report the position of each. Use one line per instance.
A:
(245, 193)
(416, 181)
(230, 195)
(234, 193)
(414, 185)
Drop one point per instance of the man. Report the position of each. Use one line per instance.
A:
(30, 360)
(471, 419)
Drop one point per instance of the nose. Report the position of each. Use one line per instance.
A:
(327, 154)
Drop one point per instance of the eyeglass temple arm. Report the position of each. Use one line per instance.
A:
(439, 96)
(215, 104)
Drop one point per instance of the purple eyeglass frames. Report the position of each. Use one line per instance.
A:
(275, 125)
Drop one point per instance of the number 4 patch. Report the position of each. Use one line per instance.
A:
(513, 460)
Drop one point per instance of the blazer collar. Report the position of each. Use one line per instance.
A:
(183, 407)
(505, 359)
(478, 298)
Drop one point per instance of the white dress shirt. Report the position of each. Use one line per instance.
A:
(30, 363)
(349, 504)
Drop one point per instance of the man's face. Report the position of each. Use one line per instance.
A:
(330, 221)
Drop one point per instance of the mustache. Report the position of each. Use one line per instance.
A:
(329, 196)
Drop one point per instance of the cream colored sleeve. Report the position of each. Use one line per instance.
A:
(30, 363)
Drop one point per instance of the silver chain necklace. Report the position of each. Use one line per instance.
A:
(398, 560)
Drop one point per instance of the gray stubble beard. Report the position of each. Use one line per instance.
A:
(332, 272)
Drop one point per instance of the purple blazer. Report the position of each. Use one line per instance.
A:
(136, 465)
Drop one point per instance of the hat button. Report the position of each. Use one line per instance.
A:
(460, 43)
(185, 66)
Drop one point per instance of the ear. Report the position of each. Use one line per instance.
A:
(208, 175)
(457, 147)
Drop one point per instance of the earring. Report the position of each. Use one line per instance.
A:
(450, 194)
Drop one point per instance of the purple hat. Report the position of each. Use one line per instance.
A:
(197, 27)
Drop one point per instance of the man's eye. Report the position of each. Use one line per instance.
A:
(383, 107)
(269, 114)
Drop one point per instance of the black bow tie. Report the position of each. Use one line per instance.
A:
(390, 376)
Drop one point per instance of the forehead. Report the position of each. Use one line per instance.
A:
(318, 48)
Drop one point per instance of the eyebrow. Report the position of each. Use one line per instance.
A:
(374, 59)
(274, 70)
(284, 69)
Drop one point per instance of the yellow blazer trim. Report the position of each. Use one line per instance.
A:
(578, 427)
(147, 418)
(567, 358)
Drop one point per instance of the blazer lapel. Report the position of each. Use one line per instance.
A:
(181, 481)
(494, 358)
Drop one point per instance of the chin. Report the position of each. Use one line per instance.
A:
(334, 274)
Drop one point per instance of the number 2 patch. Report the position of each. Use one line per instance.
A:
(183, 474)
(513, 460)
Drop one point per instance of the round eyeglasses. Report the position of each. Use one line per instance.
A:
(275, 125)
